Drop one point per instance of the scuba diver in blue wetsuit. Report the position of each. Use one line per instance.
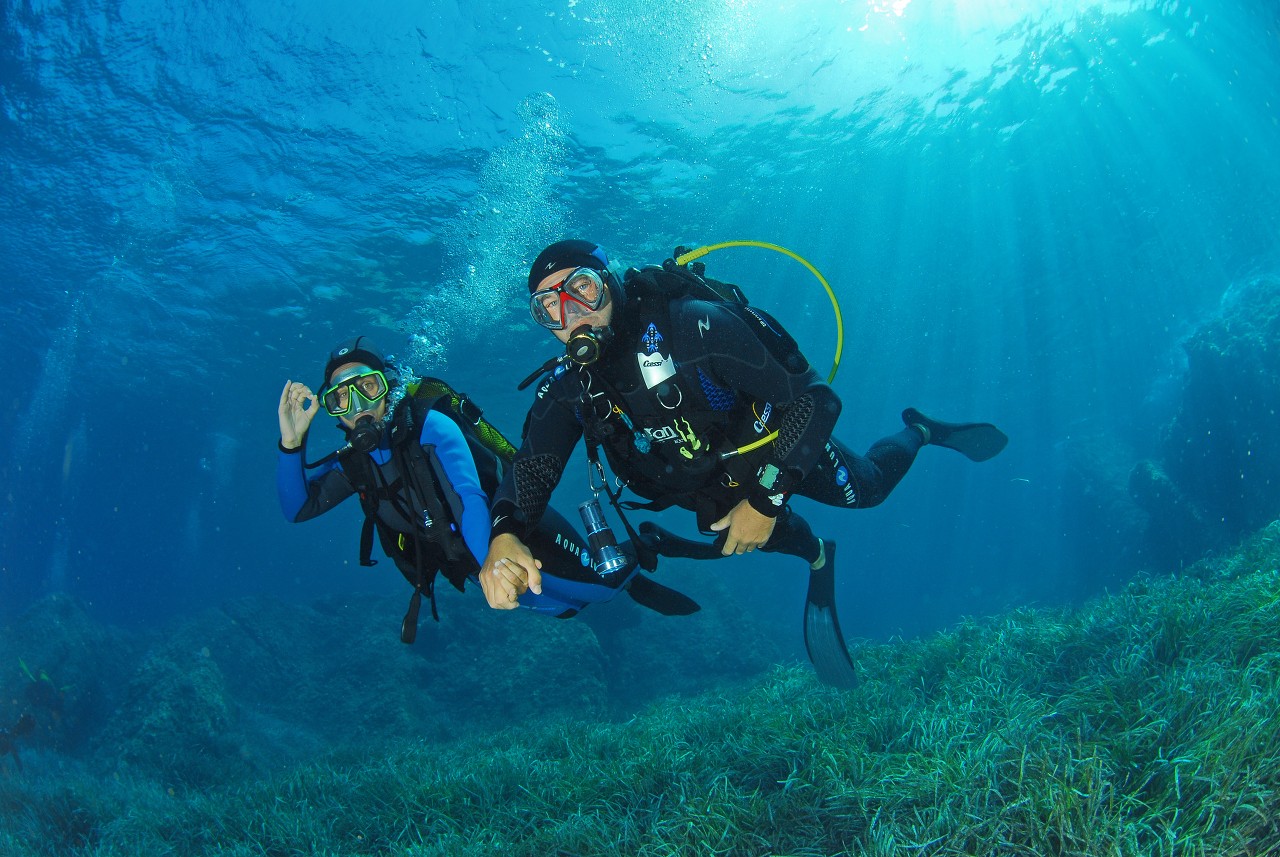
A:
(699, 401)
(424, 463)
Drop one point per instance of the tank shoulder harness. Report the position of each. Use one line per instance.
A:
(656, 294)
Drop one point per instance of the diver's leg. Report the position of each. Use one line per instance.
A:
(569, 579)
(663, 542)
(841, 477)
(793, 536)
(564, 551)
(569, 583)
(975, 441)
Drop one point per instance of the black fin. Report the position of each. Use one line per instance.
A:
(647, 592)
(666, 543)
(975, 441)
(822, 637)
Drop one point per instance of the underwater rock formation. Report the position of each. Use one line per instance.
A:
(257, 684)
(1221, 453)
(176, 722)
(1176, 530)
(65, 669)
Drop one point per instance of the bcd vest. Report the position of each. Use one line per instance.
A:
(420, 495)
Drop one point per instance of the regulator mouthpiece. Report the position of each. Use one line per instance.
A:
(366, 434)
(587, 343)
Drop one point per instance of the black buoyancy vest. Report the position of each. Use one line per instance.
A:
(664, 410)
(420, 492)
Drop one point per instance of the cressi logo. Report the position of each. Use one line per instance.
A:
(764, 418)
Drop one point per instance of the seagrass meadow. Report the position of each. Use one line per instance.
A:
(1141, 723)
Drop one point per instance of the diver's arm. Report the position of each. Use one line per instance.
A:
(291, 480)
(302, 499)
(551, 431)
(737, 357)
(460, 470)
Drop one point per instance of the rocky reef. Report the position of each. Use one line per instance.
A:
(256, 684)
(1222, 450)
(1214, 476)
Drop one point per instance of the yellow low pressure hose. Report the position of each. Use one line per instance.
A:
(686, 258)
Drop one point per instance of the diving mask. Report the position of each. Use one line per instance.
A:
(356, 390)
(583, 287)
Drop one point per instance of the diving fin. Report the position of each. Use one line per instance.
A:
(647, 592)
(975, 441)
(666, 543)
(822, 637)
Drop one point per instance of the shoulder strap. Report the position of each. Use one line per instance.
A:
(696, 273)
(436, 394)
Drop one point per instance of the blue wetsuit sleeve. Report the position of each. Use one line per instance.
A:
(300, 498)
(460, 470)
(291, 481)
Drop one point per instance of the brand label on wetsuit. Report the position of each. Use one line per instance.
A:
(761, 423)
(662, 433)
(844, 479)
(581, 553)
(651, 338)
(654, 368)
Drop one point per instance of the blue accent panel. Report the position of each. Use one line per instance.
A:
(719, 398)
(559, 594)
(460, 470)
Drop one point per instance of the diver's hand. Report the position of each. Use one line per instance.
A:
(509, 570)
(748, 529)
(295, 417)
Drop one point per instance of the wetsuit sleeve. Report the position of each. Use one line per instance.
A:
(460, 469)
(551, 431)
(755, 355)
(301, 498)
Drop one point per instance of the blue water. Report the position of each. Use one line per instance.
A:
(1023, 213)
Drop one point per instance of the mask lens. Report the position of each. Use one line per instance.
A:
(585, 285)
(545, 307)
(358, 390)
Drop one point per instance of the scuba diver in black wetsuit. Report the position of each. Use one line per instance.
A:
(424, 463)
(707, 405)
